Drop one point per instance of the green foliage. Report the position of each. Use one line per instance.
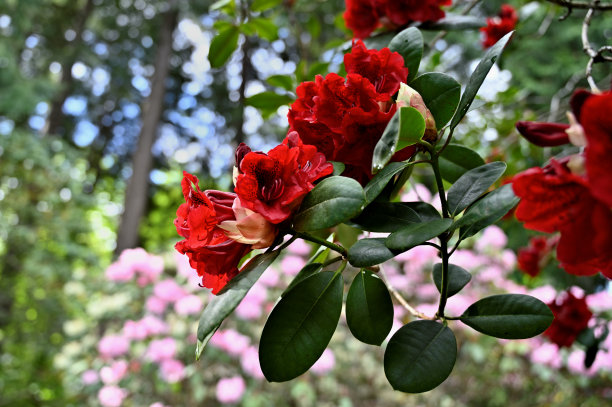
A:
(369, 309)
(409, 44)
(411, 127)
(509, 316)
(420, 356)
(369, 252)
(472, 184)
(386, 217)
(456, 159)
(413, 235)
(457, 278)
(300, 327)
(223, 46)
(440, 93)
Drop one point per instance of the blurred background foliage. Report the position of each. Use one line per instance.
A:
(98, 118)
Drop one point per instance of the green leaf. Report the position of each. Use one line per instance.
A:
(409, 44)
(454, 22)
(268, 100)
(264, 28)
(221, 305)
(471, 185)
(322, 252)
(386, 217)
(457, 278)
(382, 178)
(411, 127)
(281, 81)
(508, 316)
(488, 210)
(300, 327)
(333, 201)
(415, 234)
(338, 167)
(306, 271)
(220, 4)
(440, 93)
(223, 46)
(477, 77)
(369, 252)
(385, 147)
(456, 159)
(262, 5)
(425, 211)
(420, 356)
(369, 309)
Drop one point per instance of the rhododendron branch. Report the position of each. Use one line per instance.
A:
(287, 243)
(332, 261)
(595, 5)
(430, 244)
(403, 301)
(446, 142)
(444, 280)
(436, 169)
(588, 49)
(322, 242)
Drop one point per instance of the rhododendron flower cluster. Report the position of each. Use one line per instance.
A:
(219, 228)
(364, 16)
(499, 25)
(531, 258)
(572, 316)
(345, 117)
(573, 195)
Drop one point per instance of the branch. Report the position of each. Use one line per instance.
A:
(595, 5)
(402, 301)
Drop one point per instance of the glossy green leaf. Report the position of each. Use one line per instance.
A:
(306, 271)
(333, 201)
(382, 178)
(369, 252)
(411, 127)
(221, 305)
(409, 44)
(415, 234)
(221, 4)
(456, 160)
(268, 100)
(440, 93)
(385, 217)
(322, 253)
(425, 211)
(420, 356)
(471, 185)
(477, 77)
(338, 167)
(508, 316)
(281, 81)
(457, 278)
(262, 5)
(369, 309)
(488, 210)
(385, 147)
(223, 46)
(264, 28)
(458, 22)
(300, 327)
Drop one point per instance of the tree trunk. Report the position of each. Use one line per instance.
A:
(136, 193)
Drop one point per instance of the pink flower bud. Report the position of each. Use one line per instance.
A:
(410, 97)
(249, 227)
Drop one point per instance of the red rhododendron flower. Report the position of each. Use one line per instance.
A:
(211, 253)
(364, 16)
(544, 134)
(530, 258)
(499, 26)
(274, 184)
(384, 69)
(596, 120)
(572, 316)
(553, 199)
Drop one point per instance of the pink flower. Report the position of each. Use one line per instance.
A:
(112, 346)
(189, 305)
(325, 364)
(492, 238)
(154, 325)
(146, 265)
(230, 341)
(111, 396)
(172, 370)
(249, 227)
(134, 330)
(292, 264)
(300, 248)
(89, 377)
(546, 354)
(114, 373)
(601, 301)
(161, 349)
(269, 278)
(230, 390)
(169, 291)
(119, 272)
(155, 305)
(250, 363)
(251, 306)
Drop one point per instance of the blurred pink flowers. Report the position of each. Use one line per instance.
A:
(111, 396)
(230, 390)
(112, 346)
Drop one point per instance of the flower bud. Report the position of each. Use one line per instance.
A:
(410, 97)
(249, 227)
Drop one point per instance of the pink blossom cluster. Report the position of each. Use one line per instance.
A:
(136, 263)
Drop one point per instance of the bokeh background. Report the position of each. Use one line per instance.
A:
(103, 104)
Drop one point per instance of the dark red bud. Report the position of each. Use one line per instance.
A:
(577, 100)
(544, 134)
(241, 151)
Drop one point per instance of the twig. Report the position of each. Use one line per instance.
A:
(401, 299)
(442, 34)
(596, 5)
(588, 49)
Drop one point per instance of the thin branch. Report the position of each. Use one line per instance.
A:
(588, 49)
(442, 34)
(401, 299)
(595, 5)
